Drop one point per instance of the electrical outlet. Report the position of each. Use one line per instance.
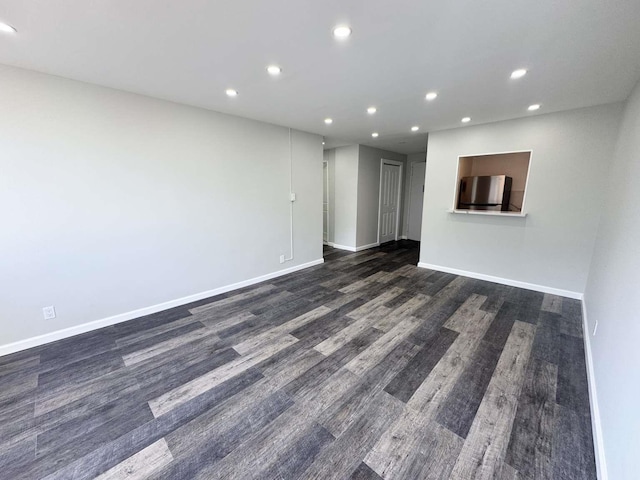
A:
(49, 312)
(281, 258)
(595, 327)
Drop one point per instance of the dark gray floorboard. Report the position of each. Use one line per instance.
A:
(411, 377)
(529, 304)
(201, 443)
(572, 375)
(112, 453)
(159, 338)
(529, 450)
(459, 410)
(340, 458)
(572, 449)
(365, 357)
(363, 472)
(82, 370)
(571, 323)
(547, 344)
(151, 321)
(500, 328)
(297, 458)
(331, 364)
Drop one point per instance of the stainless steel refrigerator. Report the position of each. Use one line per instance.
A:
(485, 193)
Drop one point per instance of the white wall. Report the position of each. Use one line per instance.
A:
(551, 247)
(369, 192)
(111, 202)
(345, 195)
(613, 302)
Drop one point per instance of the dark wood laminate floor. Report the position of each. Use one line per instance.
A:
(365, 367)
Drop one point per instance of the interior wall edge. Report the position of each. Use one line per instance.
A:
(596, 424)
(141, 312)
(504, 281)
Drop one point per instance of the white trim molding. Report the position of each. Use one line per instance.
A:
(342, 247)
(141, 312)
(398, 200)
(488, 212)
(366, 247)
(504, 281)
(596, 425)
(354, 249)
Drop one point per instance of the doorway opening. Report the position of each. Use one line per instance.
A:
(416, 200)
(389, 206)
(325, 203)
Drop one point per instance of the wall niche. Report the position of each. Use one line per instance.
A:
(492, 183)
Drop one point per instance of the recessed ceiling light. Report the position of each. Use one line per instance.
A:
(341, 31)
(466, 119)
(274, 70)
(431, 96)
(5, 28)
(521, 72)
(231, 92)
(415, 128)
(374, 134)
(328, 121)
(533, 107)
(323, 143)
(371, 110)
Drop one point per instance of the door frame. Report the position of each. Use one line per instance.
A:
(325, 178)
(409, 184)
(401, 165)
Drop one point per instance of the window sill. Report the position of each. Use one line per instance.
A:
(487, 212)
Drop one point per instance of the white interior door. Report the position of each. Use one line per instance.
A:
(325, 202)
(416, 200)
(389, 201)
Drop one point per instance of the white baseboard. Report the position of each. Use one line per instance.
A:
(365, 247)
(343, 247)
(354, 249)
(141, 312)
(404, 237)
(596, 425)
(504, 281)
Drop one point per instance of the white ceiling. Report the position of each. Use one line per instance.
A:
(578, 53)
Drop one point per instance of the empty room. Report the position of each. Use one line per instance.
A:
(319, 240)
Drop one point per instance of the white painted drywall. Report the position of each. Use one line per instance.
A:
(110, 201)
(345, 195)
(612, 300)
(369, 192)
(411, 158)
(551, 247)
